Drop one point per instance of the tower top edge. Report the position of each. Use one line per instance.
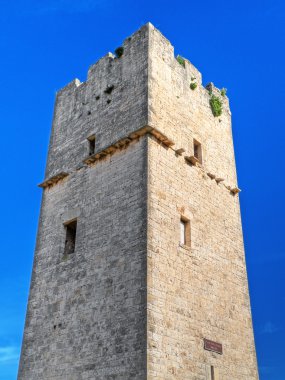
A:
(146, 31)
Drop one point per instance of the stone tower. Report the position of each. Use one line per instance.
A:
(139, 269)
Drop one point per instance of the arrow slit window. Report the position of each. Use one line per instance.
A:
(91, 142)
(197, 150)
(185, 233)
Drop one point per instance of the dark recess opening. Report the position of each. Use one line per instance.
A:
(197, 151)
(109, 89)
(91, 141)
(70, 238)
(185, 232)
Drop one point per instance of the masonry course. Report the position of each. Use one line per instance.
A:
(131, 302)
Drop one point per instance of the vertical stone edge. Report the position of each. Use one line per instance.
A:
(30, 296)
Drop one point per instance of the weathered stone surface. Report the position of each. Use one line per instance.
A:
(131, 302)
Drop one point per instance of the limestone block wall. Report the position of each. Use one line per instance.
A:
(184, 114)
(200, 291)
(86, 317)
(197, 291)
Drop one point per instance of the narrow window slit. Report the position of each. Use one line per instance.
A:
(185, 233)
(197, 150)
(70, 237)
(91, 141)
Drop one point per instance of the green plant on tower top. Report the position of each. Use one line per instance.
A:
(216, 105)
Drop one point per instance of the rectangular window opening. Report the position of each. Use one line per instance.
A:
(91, 141)
(197, 150)
(70, 237)
(185, 233)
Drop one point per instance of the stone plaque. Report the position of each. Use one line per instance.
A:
(213, 346)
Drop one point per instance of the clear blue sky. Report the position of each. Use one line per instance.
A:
(236, 44)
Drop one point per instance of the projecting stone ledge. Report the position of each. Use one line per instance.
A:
(122, 143)
(53, 180)
(235, 190)
(192, 160)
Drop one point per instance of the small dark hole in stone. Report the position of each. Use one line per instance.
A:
(97, 97)
(109, 101)
(54, 327)
(89, 112)
(119, 51)
(109, 89)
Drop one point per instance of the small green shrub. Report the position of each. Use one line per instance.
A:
(223, 91)
(216, 105)
(119, 51)
(193, 85)
(180, 60)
